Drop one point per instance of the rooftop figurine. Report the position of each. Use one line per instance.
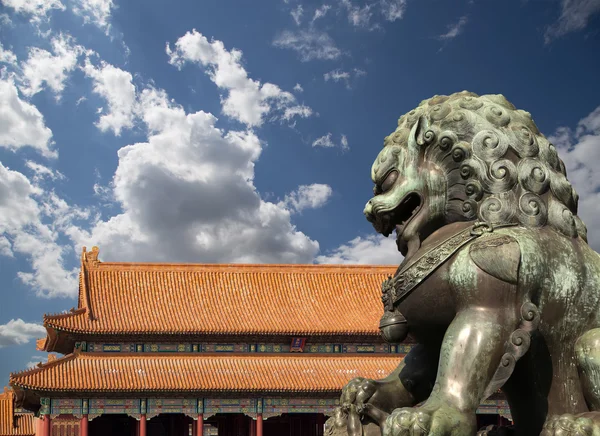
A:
(498, 285)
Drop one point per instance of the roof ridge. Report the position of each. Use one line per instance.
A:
(60, 315)
(43, 366)
(285, 266)
(88, 260)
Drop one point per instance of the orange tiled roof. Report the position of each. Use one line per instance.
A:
(101, 372)
(122, 298)
(11, 423)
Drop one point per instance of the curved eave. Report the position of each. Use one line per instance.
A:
(193, 373)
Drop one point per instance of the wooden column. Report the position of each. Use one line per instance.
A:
(320, 424)
(47, 426)
(259, 424)
(38, 426)
(200, 425)
(252, 427)
(142, 425)
(83, 426)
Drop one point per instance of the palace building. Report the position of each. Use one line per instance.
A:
(205, 349)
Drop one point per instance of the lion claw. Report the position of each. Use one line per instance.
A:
(586, 424)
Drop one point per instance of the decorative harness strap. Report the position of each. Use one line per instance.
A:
(397, 288)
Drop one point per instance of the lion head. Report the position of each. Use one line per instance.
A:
(466, 157)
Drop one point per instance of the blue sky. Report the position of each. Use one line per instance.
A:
(236, 131)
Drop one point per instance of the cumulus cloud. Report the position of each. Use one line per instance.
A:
(21, 123)
(454, 29)
(574, 16)
(187, 195)
(298, 88)
(307, 197)
(95, 12)
(49, 69)
(37, 9)
(579, 148)
(31, 221)
(309, 44)
(372, 250)
(19, 332)
(7, 56)
(116, 87)
(248, 101)
(326, 141)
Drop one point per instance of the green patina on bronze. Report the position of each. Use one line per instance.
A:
(513, 308)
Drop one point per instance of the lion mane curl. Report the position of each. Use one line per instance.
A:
(499, 167)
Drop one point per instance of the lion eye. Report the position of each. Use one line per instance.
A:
(389, 181)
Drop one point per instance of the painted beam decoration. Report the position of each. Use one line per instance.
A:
(298, 345)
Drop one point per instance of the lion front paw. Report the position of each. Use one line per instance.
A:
(424, 421)
(585, 424)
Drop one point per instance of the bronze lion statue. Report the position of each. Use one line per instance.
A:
(498, 286)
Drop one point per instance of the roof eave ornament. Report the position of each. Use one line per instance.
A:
(90, 257)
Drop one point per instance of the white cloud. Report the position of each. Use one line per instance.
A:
(297, 14)
(307, 197)
(41, 172)
(21, 123)
(309, 44)
(24, 208)
(575, 15)
(96, 12)
(5, 20)
(579, 148)
(7, 56)
(39, 9)
(393, 10)
(326, 141)
(116, 87)
(301, 111)
(370, 250)
(51, 69)
(347, 77)
(19, 332)
(187, 195)
(320, 12)
(454, 29)
(5, 247)
(298, 88)
(35, 360)
(248, 101)
(336, 75)
(344, 142)
(359, 16)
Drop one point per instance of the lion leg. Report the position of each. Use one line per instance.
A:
(587, 353)
(472, 350)
(410, 383)
(527, 392)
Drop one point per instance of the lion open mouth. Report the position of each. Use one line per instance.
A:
(405, 211)
(399, 217)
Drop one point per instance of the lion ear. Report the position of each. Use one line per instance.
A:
(416, 138)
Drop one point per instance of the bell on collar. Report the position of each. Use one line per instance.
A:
(393, 327)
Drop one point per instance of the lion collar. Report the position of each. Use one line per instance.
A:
(397, 288)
